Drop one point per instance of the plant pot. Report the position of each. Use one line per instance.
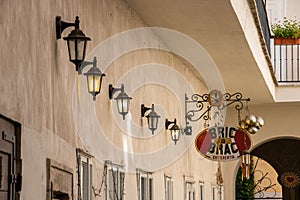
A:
(286, 41)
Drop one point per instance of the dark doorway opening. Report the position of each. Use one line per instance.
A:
(283, 154)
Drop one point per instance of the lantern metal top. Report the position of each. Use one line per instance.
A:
(152, 114)
(175, 127)
(94, 71)
(122, 95)
(77, 34)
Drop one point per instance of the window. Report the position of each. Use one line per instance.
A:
(168, 188)
(189, 188)
(115, 181)
(217, 192)
(59, 180)
(214, 192)
(145, 185)
(201, 190)
(84, 175)
(86, 179)
(190, 192)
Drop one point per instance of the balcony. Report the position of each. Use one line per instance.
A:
(284, 57)
(285, 61)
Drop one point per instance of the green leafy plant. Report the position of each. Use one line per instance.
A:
(286, 29)
(244, 188)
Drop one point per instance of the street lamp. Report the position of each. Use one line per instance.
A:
(76, 40)
(152, 117)
(174, 130)
(123, 100)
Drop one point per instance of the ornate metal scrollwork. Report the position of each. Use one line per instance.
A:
(263, 188)
(203, 104)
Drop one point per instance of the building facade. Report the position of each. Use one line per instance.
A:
(59, 143)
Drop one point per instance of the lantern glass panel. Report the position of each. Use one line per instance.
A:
(80, 48)
(71, 46)
(93, 83)
(152, 122)
(175, 135)
(122, 105)
(76, 49)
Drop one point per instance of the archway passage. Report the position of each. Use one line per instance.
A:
(284, 156)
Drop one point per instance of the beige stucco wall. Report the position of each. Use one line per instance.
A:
(37, 87)
(40, 89)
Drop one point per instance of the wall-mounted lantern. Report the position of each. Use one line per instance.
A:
(174, 130)
(152, 117)
(123, 100)
(94, 77)
(76, 40)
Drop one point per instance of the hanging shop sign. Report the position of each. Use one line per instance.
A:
(222, 143)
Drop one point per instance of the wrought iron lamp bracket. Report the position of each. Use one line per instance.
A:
(112, 90)
(62, 25)
(204, 103)
(86, 63)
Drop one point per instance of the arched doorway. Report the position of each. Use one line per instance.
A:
(284, 156)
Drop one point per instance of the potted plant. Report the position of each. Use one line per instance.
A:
(286, 32)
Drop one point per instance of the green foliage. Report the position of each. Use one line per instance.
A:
(244, 189)
(286, 29)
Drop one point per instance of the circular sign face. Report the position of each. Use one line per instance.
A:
(222, 143)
